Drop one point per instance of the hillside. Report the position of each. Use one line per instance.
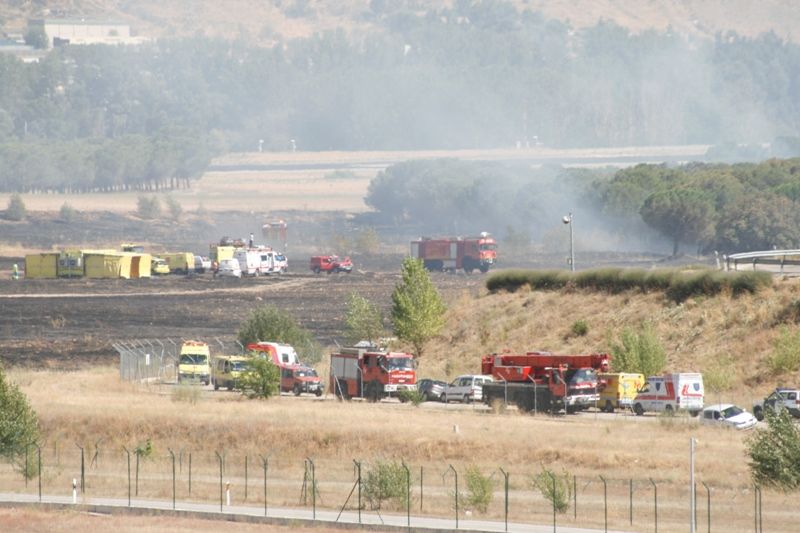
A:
(726, 338)
(270, 21)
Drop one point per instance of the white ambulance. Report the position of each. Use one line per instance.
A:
(670, 393)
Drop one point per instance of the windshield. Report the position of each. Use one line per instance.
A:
(731, 411)
(193, 359)
(238, 366)
(399, 363)
(306, 373)
(583, 375)
(280, 257)
(488, 247)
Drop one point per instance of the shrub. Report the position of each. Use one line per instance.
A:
(16, 208)
(148, 207)
(19, 426)
(415, 397)
(186, 391)
(557, 489)
(175, 209)
(785, 356)
(67, 213)
(579, 328)
(261, 379)
(775, 452)
(638, 351)
(719, 376)
(386, 481)
(479, 489)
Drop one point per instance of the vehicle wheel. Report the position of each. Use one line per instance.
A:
(758, 412)
(329, 272)
(571, 410)
(484, 268)
(373, 393)
(402, 398)
(668, 410)
(342, 390)
(638, 409)
(296, 390)
(316, 270)
(443, 397)
(216, 385)
(467, 399)
(318, 393)
(608, 407)
(694, 414)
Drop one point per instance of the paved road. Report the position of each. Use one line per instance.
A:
(239, 512)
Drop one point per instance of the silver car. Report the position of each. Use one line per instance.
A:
(466, 389)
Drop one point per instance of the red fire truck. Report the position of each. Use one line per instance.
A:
(542, 381)
(456, 253)
(362, 373)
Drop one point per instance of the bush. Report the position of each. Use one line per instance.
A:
(186, 391)
(148, 207)
(557, 489)
(386, 481)
(638, 351)
(19, 425)
(16, 208)
(175, 209)
(580, 328)
(479, 489)
(415, 397)
(719, 376)
(775, 452)
(261, 379)
(785, 356)
(67, 213)
(268, 323)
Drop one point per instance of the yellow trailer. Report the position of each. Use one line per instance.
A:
(70, 264)
(140, 265)
(219, 253)
(179, 263)
(40, 266)
(107, 265)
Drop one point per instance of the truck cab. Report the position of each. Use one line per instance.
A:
(194, 363)
(359, 372)
(298, 379)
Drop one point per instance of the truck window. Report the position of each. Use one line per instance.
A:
(239, 366)
(399, 363)
(488, 247)
(193, 359)
(286, 372)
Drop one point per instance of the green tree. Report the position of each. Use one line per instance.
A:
(385, 481)
(261, 379)
(363, 319)
(557, 489)
(175, 209)
(36, 37)
(775, 452)
(683, 215)
(638, 351)
(16, 208)
(368, 242)
(417, 308)
(148, 207)
(479, 489)
(19, 425)
(268, 323)
(67, 213)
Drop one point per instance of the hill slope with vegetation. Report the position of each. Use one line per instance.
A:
(733, 340)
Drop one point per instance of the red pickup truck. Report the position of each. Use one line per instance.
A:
(330, 264)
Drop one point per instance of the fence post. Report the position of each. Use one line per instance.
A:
(708, 505)
(358, 470)
(83, 478)
(630, 501)
(190, 473)
(605, 503)
(313, 489)
(575, 497)
(138, 455)
(172, 454)
(505, 506)
(265, 465)
(421, 494)
(219, 457)
(553, 479)
(129, 474)
(27, 461)
(655, 504)
(455, 474)
(245, 478)
(408, 494)
(39, 469)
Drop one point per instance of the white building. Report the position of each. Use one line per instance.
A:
(84, 31)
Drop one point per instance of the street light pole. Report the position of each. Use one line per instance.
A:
(568, 220)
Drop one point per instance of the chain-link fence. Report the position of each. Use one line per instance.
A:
(157, 360)
(271, 484)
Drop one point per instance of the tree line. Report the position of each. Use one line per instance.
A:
(475, 74)
(723, 207)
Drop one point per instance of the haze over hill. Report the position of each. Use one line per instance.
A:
(266, 22)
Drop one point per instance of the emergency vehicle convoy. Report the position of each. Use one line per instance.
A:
(456, 253)
(364, 373)
(542, 381)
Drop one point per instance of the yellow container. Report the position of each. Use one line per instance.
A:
(41, 266)
(70, 264)
(140, 265)
(107, 265)
(218, 253)
(180, 263)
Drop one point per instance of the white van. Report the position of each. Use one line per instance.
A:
(670, 393)
(249, 261)
(465, 389)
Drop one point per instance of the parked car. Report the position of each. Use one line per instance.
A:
(728, 415)
(229, 268)
(201, 264)
(466, 389)
(330, 264)
(781, 398)
(431, 389)
(158, 266)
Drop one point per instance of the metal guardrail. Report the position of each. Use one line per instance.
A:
(766, 258)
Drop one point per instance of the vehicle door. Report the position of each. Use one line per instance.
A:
(287, 379)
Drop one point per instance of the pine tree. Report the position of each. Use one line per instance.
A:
(417, 308)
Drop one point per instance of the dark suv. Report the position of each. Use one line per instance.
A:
(781, 398)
